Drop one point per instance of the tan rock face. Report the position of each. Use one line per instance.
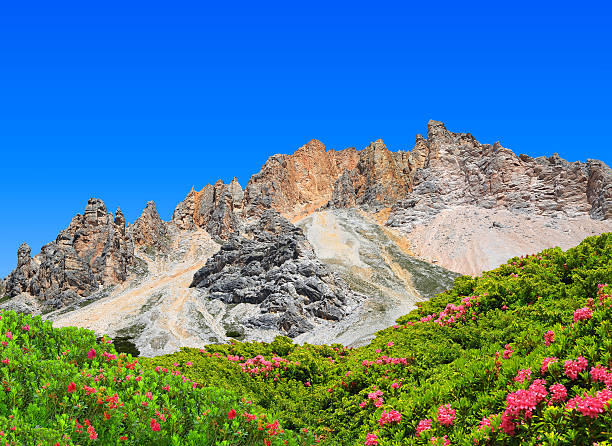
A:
(214, 208)
(93, 250)
(296, 185)
(299, 183)
(149, 229)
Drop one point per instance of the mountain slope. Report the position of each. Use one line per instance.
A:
(451, 201)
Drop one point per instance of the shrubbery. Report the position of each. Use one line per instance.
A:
(521, 355)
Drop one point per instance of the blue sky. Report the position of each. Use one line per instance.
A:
(139, 102)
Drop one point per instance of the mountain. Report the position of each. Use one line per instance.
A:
(321, 245)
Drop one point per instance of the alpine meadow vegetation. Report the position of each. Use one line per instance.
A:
(519, 355)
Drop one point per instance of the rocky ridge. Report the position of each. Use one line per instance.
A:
(452, 200)
(92, 251)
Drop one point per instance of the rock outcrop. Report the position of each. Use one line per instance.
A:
(454, 169)
(216, 209)
(94, 250)
(312, 178)
(149, 230)
(298, 184)
(273, 265)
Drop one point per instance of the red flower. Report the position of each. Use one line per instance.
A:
(71, 387)
(123, 438)
(155, 426)
(231, 414)
(91, 354)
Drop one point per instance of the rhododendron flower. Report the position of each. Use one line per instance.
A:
(92, 433)
(91, 354)
(599, 373)
(6, 361)
(231, 414)
(424, 425)
(546, 362)
(123, 438)
(549, 337)
(26, 327)
(390, 344)
(446, 441)
(523, 374)
(189, 364)
(155, 426)
(508, 351)
(589, 406)
(486, 422)
(559, 393)
(371, 439)
(393, 416)
(572, 368)
(395, 385)
(71, 387)
(446, 415)
(583, 314)
(9, 335)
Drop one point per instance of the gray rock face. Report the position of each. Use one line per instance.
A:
(274, 266)
(213, 209)
(455, 169)
(94, 250)
(149, 229)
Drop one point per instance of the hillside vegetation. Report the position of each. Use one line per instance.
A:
(521, 355)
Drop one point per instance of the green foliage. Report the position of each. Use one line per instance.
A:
(322, 387)
(463, 347)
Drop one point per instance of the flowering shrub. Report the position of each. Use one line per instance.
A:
(504, 358)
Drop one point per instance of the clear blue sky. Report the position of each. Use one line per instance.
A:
(132, 101)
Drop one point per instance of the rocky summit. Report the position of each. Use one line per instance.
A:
(320, 245)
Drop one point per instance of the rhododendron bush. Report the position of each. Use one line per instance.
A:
(64, 387)
(483, 363)
(520, 355)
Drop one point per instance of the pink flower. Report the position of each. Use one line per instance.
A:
(71, 387)
(396, 385)
(508, 351)
(599, 373)
(549, 337)
(307, 383)
(446, 415)
(91, 354)
(231, 414)
(390, 344)
(572, 368)
(583, 314)
(523, 374)
(424, 425)
(486, 422)
(9, 335)
(189, 364)
(26, 327)
(589, 406)
(371, 439)
(434, 440)
(393, 416)
(546, 362)
(559, 393)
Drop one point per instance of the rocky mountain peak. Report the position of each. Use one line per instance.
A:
(211, 209)
(149, 229)
(92, 251)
